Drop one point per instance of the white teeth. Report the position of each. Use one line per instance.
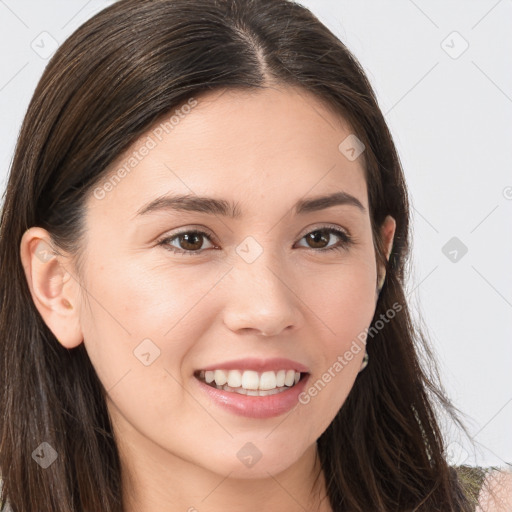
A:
(290, 378)
(234, 379)
(268, 380)
(220, 377)
(250, 381)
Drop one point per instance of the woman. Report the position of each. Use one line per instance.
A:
(186, 173)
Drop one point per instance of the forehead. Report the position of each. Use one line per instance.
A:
(274, 144)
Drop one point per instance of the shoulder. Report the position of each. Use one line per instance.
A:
(496, 492)
(489, 489)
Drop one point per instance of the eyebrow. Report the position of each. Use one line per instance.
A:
(213, 206)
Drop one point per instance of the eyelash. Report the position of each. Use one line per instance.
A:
(346, 241)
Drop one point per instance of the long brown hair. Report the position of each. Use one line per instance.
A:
(106, 85)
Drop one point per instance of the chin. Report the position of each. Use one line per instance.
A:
(246, 459)
(259, 470)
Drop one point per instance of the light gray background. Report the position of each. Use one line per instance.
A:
(450, 113)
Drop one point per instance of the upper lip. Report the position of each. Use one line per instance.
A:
(259, 365)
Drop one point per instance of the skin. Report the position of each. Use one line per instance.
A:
(496, 492)
(264, 150)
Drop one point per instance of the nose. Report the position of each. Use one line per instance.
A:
(262, 300)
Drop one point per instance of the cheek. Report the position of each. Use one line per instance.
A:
(138, 331)
(343, 306)
(142, 299)
(342, 298)
(139, 313)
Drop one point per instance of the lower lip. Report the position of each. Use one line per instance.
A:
(256, 406)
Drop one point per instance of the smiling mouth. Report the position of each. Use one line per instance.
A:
(250, 382)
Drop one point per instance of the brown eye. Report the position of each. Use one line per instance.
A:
(319, 239)
(189, 242)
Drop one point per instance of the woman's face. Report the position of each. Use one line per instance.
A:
(151, 318)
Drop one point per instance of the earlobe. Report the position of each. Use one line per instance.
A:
(51, 286)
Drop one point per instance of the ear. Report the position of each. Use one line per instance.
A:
(53, 289)
(387, 232)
